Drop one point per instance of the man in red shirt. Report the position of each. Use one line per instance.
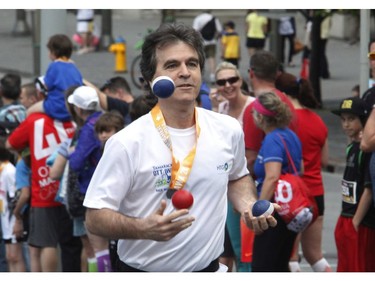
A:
(264, 68)
(50, 223)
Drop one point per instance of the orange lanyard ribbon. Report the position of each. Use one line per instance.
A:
(180, 172)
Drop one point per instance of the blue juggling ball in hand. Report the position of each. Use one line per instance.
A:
(262, 207)
(163, 87)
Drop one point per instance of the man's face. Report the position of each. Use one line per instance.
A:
(180, 62)
(25, 100)
(112, 94)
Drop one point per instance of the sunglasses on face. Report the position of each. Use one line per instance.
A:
(371, 55)
(231, 80)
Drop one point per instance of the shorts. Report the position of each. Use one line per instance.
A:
(346, 238)
(210, 51)
(257, 43)
(48, 226)
(366, 246)
(228, 249)
(79, 228)
(232, 61)
(320, 203)
(85, 26)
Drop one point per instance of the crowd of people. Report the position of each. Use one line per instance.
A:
(53, 135)
(92, 169)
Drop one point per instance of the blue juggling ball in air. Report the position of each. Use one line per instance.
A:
(163, 87)
(262, 207)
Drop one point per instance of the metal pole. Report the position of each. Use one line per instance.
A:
(275, 39)
(106, 38)
(315, 56)
(35, 23)
(365, 39)
(21, 27)
(51, 22)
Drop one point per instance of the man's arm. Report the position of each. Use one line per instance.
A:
(22, 201)
(368, 137)
(251, 156)
(242, 194)
(273, 172)
(114, 225)
(9, 146)
(57, 169)
(102, 97)
(363, 206)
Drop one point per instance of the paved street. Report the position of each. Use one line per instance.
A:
(16, 55)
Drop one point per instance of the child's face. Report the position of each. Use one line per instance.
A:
(351, 125)
(103, 136)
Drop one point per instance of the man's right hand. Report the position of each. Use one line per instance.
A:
(160, 227)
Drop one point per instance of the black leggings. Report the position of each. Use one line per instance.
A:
(273, 248)
(290, 38)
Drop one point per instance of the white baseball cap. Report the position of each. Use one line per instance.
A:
(85, 97)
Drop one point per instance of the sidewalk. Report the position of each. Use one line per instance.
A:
(17, 56)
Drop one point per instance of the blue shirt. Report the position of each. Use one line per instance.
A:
(23, 177)
(204, 94)
(59, 77)
(273, 150)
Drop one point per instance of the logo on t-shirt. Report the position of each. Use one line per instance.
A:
(224, 168)
(162, 174)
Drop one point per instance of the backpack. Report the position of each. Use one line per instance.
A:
(298, 206)
(75, 198)
(209, 30)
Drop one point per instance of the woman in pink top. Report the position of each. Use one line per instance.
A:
(229, 83)
(313, 134)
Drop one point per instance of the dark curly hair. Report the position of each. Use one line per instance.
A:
(60, 45)
(166, 34)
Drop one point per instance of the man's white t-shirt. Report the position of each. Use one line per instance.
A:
(133, 176)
